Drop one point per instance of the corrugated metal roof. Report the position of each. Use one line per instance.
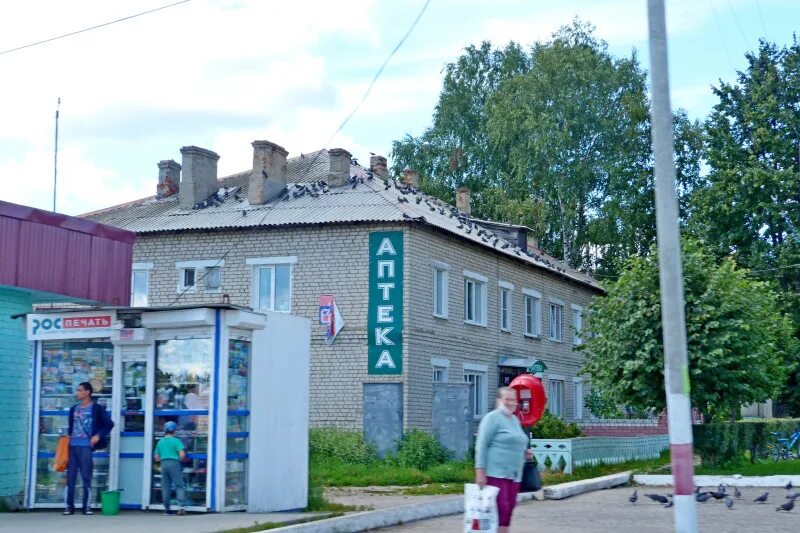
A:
(363, 200)
(46, 252)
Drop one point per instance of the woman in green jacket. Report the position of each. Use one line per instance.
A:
(500, 453)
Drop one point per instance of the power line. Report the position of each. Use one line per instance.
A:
(380, 71)
(785, 267)
(738, 24)
(244, 235)
(761, 18)
(722, 37)
(92, 28)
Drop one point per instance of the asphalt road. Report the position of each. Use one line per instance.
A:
(609, 510)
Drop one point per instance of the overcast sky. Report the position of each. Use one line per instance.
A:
(221, 73)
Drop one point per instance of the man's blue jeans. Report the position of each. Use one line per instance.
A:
(80, 460)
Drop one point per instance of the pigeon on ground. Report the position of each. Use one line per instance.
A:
(670, 504)
(657, 498)
(717, 495)
(728, 502)
(702, 497)
(788, 486)
(788, 506)
(793, 495)
(737, 493)
(633, 497)
(721, 488)
(697, 490)
(762, 498)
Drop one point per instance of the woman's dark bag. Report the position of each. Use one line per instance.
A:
(531, 479)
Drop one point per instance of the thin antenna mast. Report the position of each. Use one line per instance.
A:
(55, 158)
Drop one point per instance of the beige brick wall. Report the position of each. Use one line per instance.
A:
(330, 259)
(459, 342)
(334, 259)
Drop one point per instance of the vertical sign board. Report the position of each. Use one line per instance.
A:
(385, 311)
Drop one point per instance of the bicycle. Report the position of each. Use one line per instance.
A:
(784, 448)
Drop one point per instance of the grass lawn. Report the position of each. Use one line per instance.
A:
(449, 478)
(762, 468)
(338, 474)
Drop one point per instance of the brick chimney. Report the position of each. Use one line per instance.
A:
(462, 199)
(411, 178)
(339, 173)
(268, 177)
(169, 178)
(378, 165)
(199, 178)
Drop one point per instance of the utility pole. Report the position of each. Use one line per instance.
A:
(676, 361)
(55, 157)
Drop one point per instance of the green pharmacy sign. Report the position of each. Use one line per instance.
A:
(538, 367)
(385, 318)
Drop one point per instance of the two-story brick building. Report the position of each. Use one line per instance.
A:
(426, 292)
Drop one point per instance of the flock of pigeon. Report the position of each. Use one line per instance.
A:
(465, 222)
(320, 187)
(721, 494)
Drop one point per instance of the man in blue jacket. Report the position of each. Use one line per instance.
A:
(89, 427)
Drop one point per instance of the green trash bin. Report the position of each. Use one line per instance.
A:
(109, 500)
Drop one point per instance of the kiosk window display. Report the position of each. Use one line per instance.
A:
(193, 366)
(182, 385)
(64, 365)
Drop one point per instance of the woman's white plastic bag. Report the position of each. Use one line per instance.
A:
(480, 508)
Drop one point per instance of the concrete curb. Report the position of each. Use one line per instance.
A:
(380, 518)
(362, 521)
(573, 488)
(711, 481)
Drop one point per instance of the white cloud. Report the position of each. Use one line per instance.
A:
(221, 73)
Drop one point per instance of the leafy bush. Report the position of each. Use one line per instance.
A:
(601, 405)
(553, 427)
(331, 444)
(420, 450)
(722, 444)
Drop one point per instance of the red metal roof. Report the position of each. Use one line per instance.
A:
(49, 252)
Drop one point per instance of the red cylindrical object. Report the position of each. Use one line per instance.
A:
(530, 390)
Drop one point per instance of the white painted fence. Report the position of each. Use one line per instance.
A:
(566, 454)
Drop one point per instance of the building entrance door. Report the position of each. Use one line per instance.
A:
(132, 425)
(508, 373)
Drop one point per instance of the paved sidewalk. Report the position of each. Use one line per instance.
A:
(139, 522)
(378, 497)
(610, 511)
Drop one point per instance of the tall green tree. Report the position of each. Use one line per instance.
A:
(749, 207)
(738, 340)
(455, 150)
(556, 139)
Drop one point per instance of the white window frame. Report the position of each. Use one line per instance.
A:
(443, 365)
(481, 397)
(444, 269)
(480, 310)
(552, 379)
(506, 290)
(141, 267)
(577, 398)
(536, 297)
(577, 324)
(206, 277)
(258, 263)
(555, 303)
(197, 265)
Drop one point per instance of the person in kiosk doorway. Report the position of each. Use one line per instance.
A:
(88, 428)
(500, 453)
(169, 452)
